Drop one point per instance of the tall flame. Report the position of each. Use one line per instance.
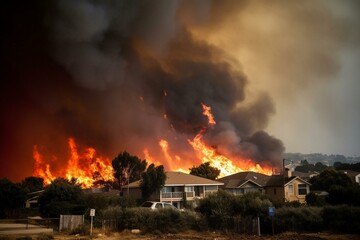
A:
(209, 154)
(208, 114)
(86, 168)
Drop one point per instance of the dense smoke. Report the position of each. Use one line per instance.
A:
(121, 75)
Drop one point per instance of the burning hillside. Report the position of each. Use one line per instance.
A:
(87, 169)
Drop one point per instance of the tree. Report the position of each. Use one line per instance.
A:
(152, 180)
(60, 197)
(205, 170)
(32, 184)
(128, 168)
(11, 196)
(328, 178)
(339, 186)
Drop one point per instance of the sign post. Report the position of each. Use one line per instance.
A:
(92, 214)
(271, 214)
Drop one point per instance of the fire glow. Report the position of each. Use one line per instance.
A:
(88, 168)
(208, 154)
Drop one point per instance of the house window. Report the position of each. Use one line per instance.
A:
(302, 189)
(291, 189)
(189, 188)
(167, 189)
(211, 188)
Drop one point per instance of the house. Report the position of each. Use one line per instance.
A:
(305, 176)
(32, 199)
(178, 187)
(278, 188)
(288, 188)
(244, 182)
(355, 176)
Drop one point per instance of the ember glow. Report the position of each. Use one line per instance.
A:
(86, 167)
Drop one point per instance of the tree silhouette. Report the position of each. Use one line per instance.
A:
(205, 170)
(152, 180)
(127, 168)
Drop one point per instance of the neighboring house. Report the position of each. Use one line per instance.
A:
(278, 188)
(178, 187)
(287, 189)
(305, 176)
(355, 176)
(244, 182)
(32, 199)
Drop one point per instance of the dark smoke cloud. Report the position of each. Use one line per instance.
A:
(107, 72)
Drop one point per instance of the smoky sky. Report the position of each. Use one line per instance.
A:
(121, 75)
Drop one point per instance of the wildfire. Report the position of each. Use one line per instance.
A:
(86, 168)
(208, 114)
(209, 154)
(226, 166)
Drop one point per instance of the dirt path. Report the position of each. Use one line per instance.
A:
(212, 236)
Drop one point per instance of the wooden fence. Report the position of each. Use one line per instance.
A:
(70, 222)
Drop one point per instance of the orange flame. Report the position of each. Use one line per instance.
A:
(41, 169)
(208, 114)
(226, 166)
(86, 168)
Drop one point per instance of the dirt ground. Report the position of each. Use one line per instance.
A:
(211, 236)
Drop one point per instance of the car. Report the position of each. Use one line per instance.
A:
(158, 205)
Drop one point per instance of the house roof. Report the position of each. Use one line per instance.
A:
(305, 175)
(350, 173)
(279, 180)
(238, 179)
(182, 179)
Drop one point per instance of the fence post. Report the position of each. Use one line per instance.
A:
(258, 225)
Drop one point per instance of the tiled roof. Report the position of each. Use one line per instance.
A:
(181, 179)
(238, 179)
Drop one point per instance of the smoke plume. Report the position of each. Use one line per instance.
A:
(121, 75)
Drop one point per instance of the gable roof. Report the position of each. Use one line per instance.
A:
(279, 181)
(182, 179)
(238, 179)
(350, 173)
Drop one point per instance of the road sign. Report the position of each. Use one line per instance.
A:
(271, 211)
(92, 212)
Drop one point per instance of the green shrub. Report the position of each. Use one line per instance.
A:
(149, 221)
(342, 218)
(299, 219)
(221, 209)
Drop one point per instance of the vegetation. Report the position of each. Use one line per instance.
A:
(205, 170)
(219, 209)
(339, 186)
(61, 197)
(152, 180)
(149, 221)
(11, 196)
(308, 167)
(346, 166)
(128, 168)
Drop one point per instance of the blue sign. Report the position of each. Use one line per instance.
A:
(271, 211)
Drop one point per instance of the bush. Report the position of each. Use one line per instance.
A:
(222, 209)
(299, 219)
(343, 219)
(149, 221)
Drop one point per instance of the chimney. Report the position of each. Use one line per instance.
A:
(288, 173)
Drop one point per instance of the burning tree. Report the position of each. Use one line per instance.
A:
(128, 168)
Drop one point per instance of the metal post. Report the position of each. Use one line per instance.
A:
(258, 223)
(91, 226)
